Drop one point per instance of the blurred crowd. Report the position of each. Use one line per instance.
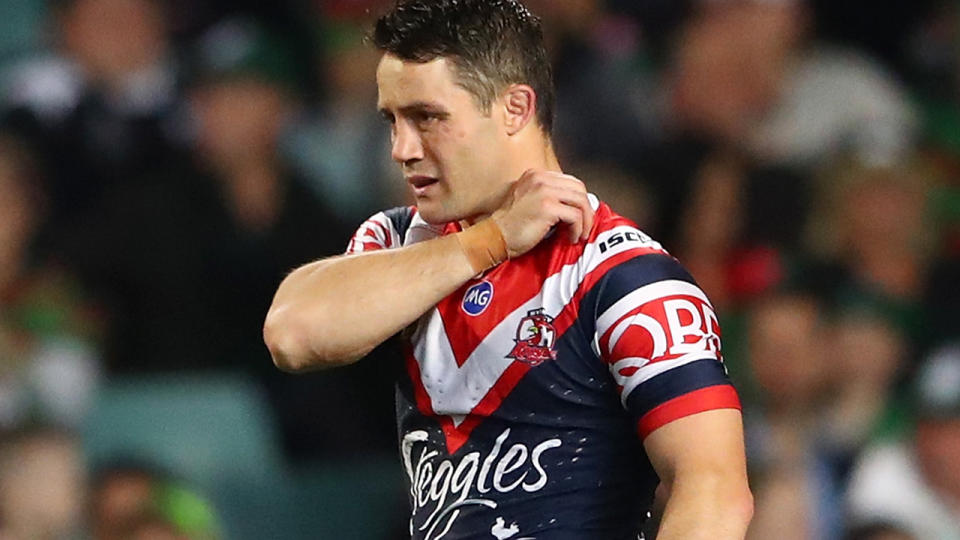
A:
(164, 163)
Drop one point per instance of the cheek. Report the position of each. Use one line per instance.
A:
(453, 150)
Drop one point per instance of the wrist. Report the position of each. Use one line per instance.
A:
(484, 245)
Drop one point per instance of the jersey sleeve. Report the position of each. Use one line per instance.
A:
(658, 335)
(384, 230)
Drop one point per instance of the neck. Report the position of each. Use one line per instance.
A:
(542, 158)
(551, 163)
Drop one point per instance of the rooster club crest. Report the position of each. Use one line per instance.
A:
(536, 338)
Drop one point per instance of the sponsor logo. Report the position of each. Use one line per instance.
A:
(536, 339)
(440, 487)
(477, 298)
(624, 237)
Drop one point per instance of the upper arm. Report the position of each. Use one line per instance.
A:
(659, 337)
(702, 469)
(702, 445)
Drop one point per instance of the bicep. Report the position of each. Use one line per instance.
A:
(706, 444)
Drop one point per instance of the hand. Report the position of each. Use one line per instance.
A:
(539, 201)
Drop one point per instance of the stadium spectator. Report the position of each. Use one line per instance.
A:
(914, 482)
(871, 243)
(867, 358)
(106, 103)
(747, 72)
(790, 474)
(49, 361)
(172, 250)
(135, 501)
(42, 485)
(340, 143)
(187, 257)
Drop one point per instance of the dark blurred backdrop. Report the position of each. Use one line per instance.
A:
(164, 164)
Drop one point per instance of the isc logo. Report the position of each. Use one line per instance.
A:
(477, 298)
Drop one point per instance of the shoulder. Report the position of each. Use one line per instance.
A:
(393, 228)
(624, 271)
(613, 234)
(616, 257)
(619, 252)
(400, 218)
(383, 230)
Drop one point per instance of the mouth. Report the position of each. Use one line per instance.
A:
(420, 183)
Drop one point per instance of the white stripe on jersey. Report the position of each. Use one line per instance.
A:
(593, 200)
(457, 390)
(377, 224)
(647, 293)
(420, 231)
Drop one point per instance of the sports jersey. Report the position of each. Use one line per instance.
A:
(529, 390)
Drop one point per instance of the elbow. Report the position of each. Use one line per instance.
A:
(288, 347)
(737, 508)
(737, 502)
(290, 337)
(744, 506)
(722, 501)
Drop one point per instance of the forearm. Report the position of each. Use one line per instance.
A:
(709, 506)
(334, 311)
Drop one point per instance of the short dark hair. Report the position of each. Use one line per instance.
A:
(492, 44)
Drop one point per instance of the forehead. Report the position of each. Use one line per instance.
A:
(401, 83)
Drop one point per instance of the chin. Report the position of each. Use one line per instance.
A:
(435, 214)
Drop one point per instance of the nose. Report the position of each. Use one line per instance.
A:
(407, 146)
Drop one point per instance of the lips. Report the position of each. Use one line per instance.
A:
(420, 182)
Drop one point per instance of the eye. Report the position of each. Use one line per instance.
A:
(388, 118)
(426, 118)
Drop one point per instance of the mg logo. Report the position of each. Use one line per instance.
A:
(477, 298)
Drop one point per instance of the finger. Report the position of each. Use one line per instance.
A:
(572, 217)
(565, 181)
(532, 177)
(589, 216)
(579, 200)
(553, 178)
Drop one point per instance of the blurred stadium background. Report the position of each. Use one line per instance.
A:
(164, 163)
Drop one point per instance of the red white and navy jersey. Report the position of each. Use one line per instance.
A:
(530, 389)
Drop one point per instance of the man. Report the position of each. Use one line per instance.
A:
(914, 481)
(560, 364)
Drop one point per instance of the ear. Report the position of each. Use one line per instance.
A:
(520, 107)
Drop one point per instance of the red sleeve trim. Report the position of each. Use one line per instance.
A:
(710, 398)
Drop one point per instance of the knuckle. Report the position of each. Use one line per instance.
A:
(531, 176)
(573, 179)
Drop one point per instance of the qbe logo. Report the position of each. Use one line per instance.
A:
(477, 298)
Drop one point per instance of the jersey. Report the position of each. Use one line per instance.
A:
(529, 390)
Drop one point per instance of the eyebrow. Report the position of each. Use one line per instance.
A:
(415, 107)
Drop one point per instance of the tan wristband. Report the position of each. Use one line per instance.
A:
(484, 245)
